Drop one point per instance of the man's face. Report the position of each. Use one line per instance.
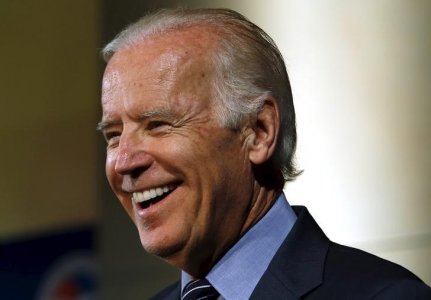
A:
(167, 149)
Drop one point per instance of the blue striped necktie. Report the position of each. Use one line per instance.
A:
(199, 289)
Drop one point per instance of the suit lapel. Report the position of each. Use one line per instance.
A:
(298, 265)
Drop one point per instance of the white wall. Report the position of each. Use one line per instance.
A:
(360, 74)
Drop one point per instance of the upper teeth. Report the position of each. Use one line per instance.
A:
(139, 197)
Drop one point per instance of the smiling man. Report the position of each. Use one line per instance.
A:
(200, 128)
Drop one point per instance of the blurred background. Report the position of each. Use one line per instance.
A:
(360, 73)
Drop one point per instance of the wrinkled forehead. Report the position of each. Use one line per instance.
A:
(163, 56)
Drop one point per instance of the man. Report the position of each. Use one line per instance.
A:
(200, 129)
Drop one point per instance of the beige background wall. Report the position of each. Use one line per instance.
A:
(49, 90)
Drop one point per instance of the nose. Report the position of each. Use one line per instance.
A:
(132, 157)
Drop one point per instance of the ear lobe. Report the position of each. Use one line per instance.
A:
(265, 128)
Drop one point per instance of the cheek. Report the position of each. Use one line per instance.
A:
(115, 181)
(178, 154)
(110, 161)
(111, 175)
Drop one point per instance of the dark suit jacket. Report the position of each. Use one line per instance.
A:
(309, 266)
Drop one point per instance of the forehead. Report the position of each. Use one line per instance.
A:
(160, 55)
(169, 69)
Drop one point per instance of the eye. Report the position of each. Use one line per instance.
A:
(157, 124)
(112, 137)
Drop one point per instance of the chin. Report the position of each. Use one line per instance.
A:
(162, 247)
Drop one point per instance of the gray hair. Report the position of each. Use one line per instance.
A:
(248, 67)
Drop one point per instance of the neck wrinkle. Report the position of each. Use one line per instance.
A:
(263, 201)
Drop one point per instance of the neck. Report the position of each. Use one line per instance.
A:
(262, 202)
(198, 262)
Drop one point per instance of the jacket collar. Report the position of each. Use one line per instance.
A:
(298, 265)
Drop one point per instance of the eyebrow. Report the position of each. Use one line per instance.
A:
(103, 125)
(156, 113)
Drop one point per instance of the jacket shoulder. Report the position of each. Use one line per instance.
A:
(350, 271)
(347, 261)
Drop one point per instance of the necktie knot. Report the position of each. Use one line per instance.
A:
(199, 289)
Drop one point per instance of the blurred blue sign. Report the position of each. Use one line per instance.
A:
(57, 266)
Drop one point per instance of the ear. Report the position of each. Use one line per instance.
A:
(265, 128)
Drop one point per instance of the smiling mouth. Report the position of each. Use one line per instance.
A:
(151, 196)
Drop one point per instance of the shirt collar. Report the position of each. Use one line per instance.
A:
(237, 273)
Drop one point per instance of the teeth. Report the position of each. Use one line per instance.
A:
(147, 195)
